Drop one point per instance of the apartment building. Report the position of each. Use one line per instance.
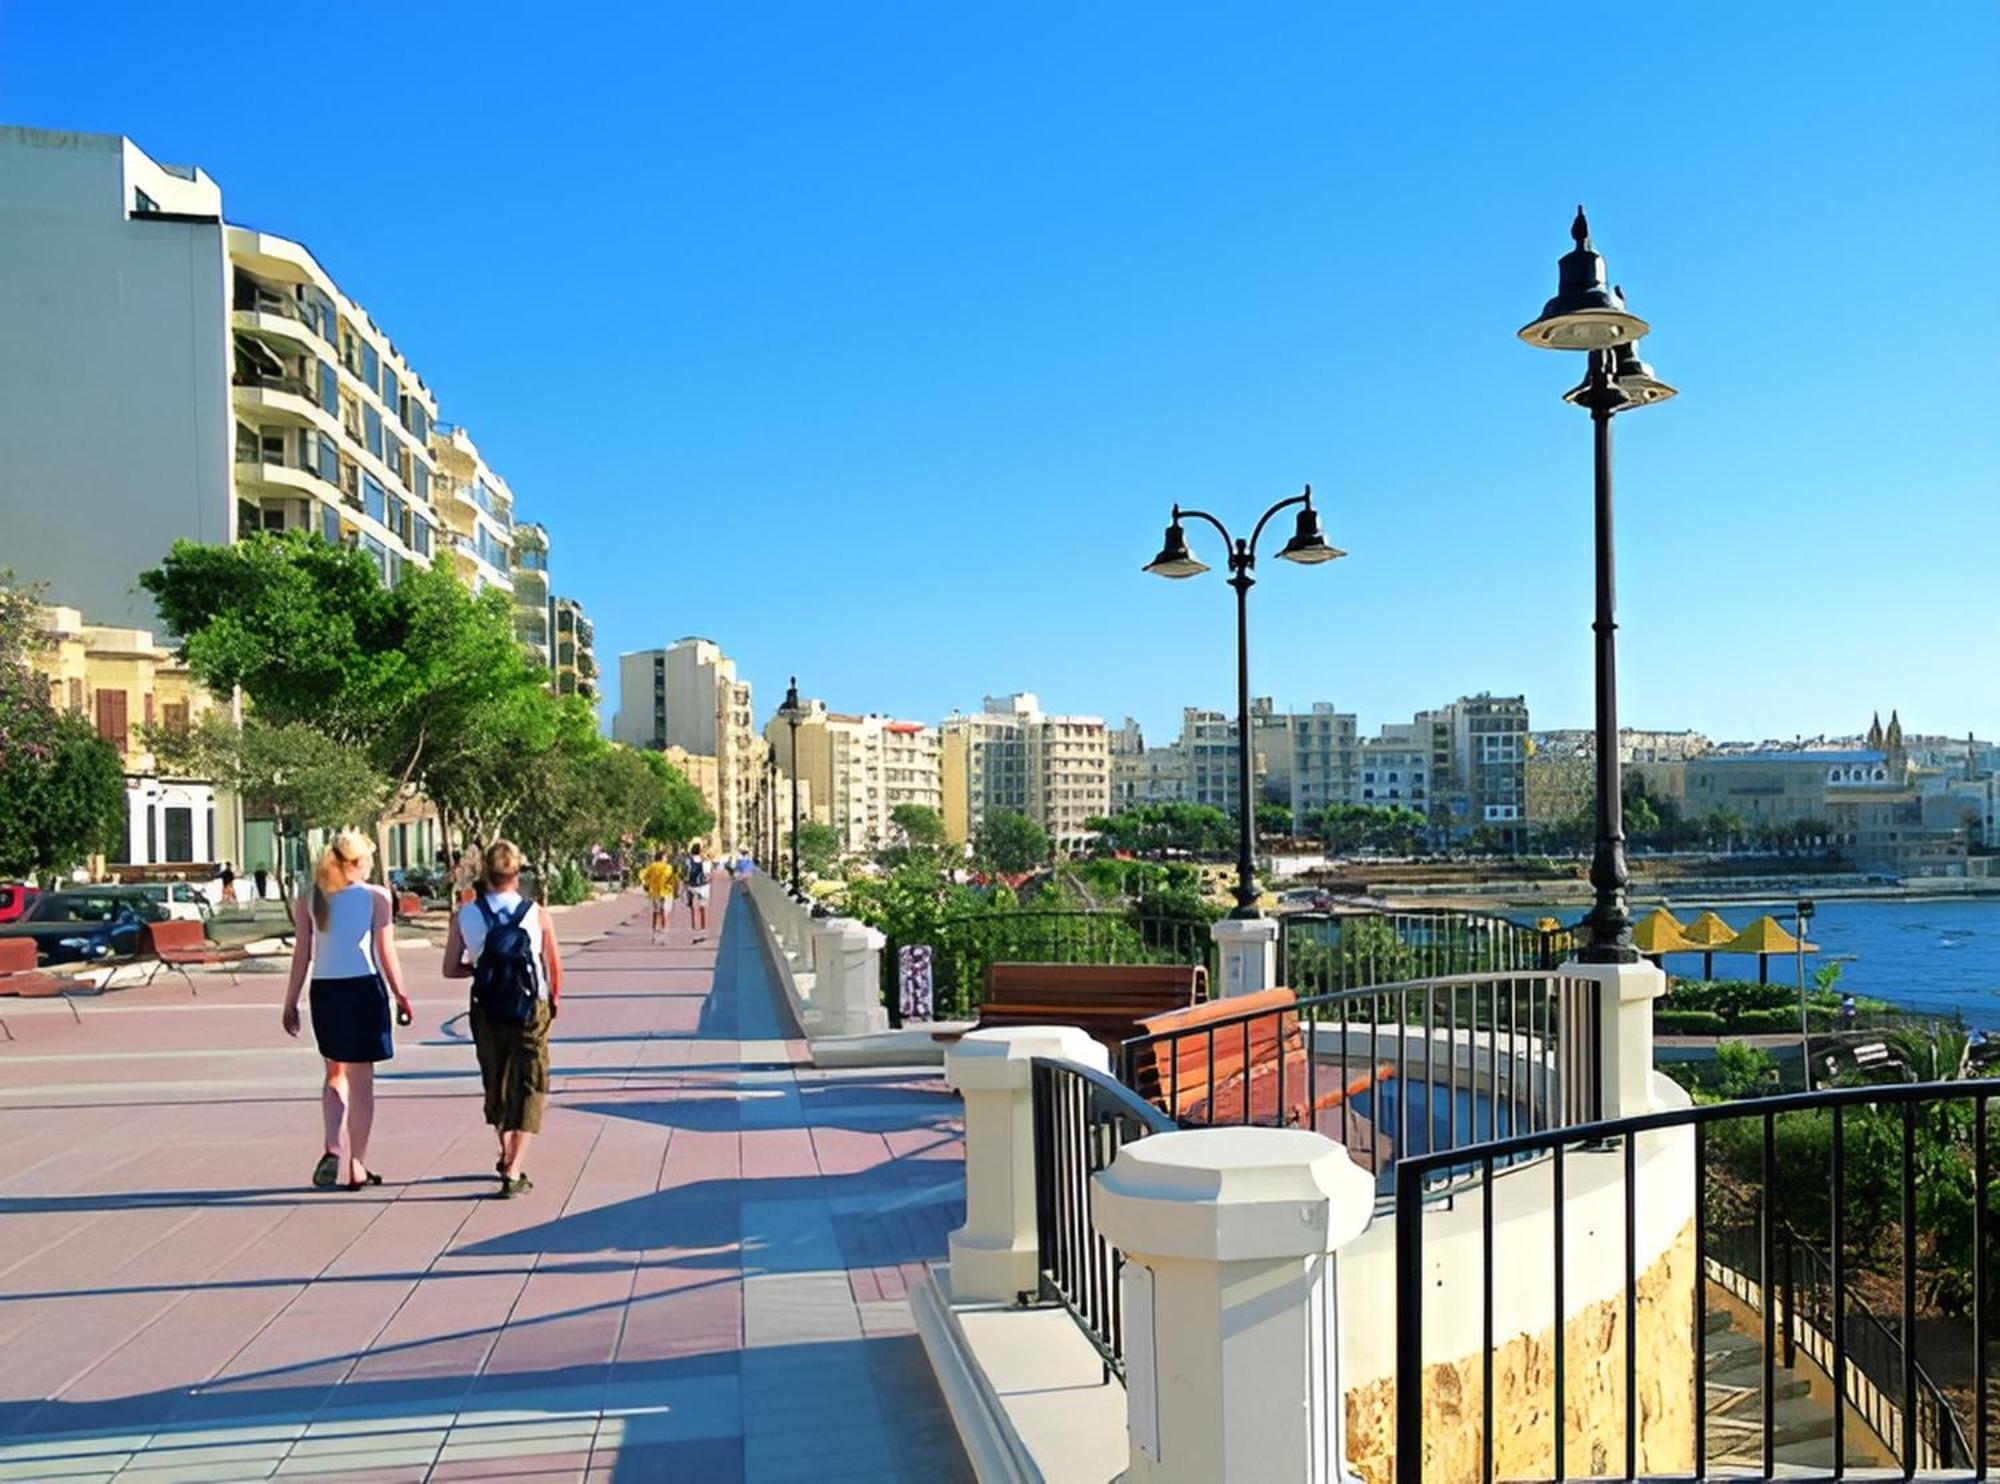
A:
(856, 770)
(123, 682)
(684, 697)
(533, 617)
(1393, 769)
(1154, 775)
(1011, 756)
(573, 662)
(477, 509)
(168, 375)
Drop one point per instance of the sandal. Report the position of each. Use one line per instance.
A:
(371, 1178)
(326, 1174)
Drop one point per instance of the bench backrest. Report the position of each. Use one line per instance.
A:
(1188, 1065)
(408, 904)
(17, 955)
(1148, 987)
(176, 934)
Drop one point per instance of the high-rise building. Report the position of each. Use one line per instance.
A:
(532, 614)
(167, 375)
(1393, 769)
(477, 508)
(855, 770)
(1010, 756)
(687, 696)
(574, 661)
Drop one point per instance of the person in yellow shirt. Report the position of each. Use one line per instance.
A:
(660, 880)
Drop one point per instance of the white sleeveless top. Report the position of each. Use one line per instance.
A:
(345, 947)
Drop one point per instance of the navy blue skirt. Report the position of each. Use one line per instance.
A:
(351, 1018)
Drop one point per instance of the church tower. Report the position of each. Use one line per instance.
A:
(1875, 733)
(1898, 759)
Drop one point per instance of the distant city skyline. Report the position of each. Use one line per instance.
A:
(889, 372)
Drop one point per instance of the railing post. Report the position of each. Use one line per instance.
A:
(1232, 1343)
(995, 1255)
(1248, 950)
(1625, 995)
(847, 979)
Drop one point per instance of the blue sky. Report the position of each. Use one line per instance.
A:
(875, 341)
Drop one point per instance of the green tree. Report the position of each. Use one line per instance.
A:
(819, 848)
(920, 824)
(62, 787)
(1008, 843)
(294, 775)
(1273, 819)
(679, 813)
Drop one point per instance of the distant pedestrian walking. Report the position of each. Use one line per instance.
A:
(228, 882)
(1848, 1010)
(346, 937)
(694, 875)
(263, 879)
(659, 880)
(503, 943)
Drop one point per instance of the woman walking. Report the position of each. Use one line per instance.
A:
(503, 943)
(346, 937)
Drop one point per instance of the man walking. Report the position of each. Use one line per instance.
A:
(694, 876)
(659, 880)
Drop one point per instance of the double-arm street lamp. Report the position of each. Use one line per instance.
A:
(1587, 315)
(1307, 546)
(790, 712)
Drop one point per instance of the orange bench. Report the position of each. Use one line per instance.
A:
(1108, 1001)
(408, 905)
(1255, 1069)
(180, 946)
(20, 973)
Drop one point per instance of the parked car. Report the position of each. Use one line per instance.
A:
(15, 900)
(178, 899)
(87, 924)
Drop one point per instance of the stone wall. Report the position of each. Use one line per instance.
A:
(1524, 1394)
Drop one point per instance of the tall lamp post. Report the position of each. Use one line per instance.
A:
(790, 712)
(1587, 315)
(1307, 546)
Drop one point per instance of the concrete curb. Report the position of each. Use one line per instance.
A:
(992, 1447)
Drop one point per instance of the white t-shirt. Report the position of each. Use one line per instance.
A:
(345, 947)
(472, 928)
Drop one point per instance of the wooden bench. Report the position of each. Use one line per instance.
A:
(1257, 1069)
(181, 946)
(1107, 1001)
(21, 976)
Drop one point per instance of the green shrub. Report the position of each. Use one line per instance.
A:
(1688, 1023)
(568, 886)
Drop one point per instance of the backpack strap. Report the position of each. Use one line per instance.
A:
(520, 913)
(486, 911)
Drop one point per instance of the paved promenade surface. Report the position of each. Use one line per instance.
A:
(705, 1285)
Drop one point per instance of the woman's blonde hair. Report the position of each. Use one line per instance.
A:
(502, 862)
(343, 850)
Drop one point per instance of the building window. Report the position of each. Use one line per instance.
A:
(180, 833)
(112, 725)
(329, 525)
(420, 537)
(329, 389)
(374, 499)
(371, 366)
(142, 202)
(371, 423)
(392, 394)
(326, 459)
(420, 480)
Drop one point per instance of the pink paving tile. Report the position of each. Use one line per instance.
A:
(773, 1153)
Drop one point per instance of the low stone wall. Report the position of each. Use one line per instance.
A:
(1524, 1394)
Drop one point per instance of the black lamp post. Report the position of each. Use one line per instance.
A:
(1586, 315)
(790, 712)
(1307, 546)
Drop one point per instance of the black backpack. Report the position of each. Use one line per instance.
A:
(697, 871)
(505, 980)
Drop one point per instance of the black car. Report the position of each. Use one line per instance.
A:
(86, 924)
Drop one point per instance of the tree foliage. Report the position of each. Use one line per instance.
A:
(681, 814)
(819, 847)
(1010, 843)
(62, 787)
(1157, 829)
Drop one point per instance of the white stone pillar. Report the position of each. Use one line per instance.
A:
(993, 1256)
(847, 979)
(1248, 951)
(1625, 995)
(1232, 1331)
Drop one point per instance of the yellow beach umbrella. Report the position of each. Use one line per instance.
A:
(1705, 935)
(1765, 937)
(1659, 932)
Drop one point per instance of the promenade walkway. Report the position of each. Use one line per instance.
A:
(706, 1283)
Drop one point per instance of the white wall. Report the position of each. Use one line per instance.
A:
(694, 669)
(115, 421)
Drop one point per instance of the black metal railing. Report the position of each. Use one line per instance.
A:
(1422, 1067)
(1839, 1168)
(963, 947)
(1082, 1119)
(1874, 1348)
(1320, 952)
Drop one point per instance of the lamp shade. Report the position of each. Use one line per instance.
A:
(1175, 560)
(1308, 544)
(1585, 314)
(1636, 379)
(791, 706)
